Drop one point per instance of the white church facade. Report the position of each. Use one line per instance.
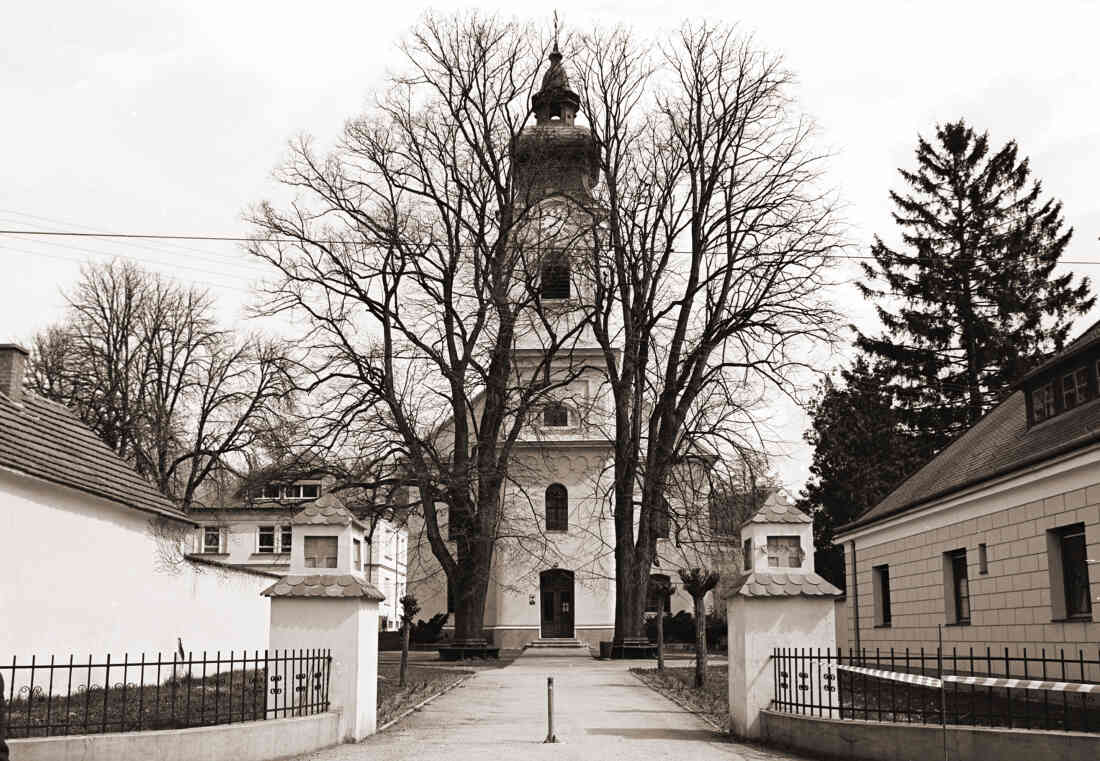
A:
(553, 572)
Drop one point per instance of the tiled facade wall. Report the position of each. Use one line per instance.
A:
(1010, 605)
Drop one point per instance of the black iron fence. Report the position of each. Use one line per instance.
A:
(134, 694)
(1055, 690)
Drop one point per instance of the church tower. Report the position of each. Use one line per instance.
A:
(555, 156)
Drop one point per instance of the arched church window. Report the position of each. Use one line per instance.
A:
(554, 280)
(555, 415)
(557, 508)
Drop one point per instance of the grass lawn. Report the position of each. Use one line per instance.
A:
(423, 682)
(711, 700)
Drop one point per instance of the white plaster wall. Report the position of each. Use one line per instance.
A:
(756, 626)
(349, 627)
(759, 532)
(81, 575)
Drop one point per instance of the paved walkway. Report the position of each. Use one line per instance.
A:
(602, 713)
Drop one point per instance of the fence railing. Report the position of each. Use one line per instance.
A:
(93, 696)
(979, 688)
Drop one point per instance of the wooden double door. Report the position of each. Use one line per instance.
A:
(556, 591)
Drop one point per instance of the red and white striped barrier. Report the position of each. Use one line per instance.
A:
(976, 681)
(926, 681)
(1024, 684)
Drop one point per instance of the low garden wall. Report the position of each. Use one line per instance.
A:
(247, 741)
(886, 741)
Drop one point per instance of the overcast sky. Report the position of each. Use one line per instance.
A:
(158, 117)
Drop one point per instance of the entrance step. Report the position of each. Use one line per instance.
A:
(557, 647)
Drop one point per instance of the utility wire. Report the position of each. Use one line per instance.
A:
(237, 239)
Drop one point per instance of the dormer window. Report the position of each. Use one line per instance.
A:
(291, 491)
(1042, 402)
(1075, 388)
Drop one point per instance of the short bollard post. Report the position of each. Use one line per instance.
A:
(550, 736)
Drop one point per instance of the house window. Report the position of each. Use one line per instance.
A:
(1075, 388)
(1042, 402)
(320, 551)
(1071, 596)
(555, 277)
(211, 539)
(290, 491)
(555, 415)
(557, 508)
(265, 540)
(747, 553)
(286, 538)
(983, 560)
(356, 554)
(880, 590)
(784, 552)
(661, 520)
(956, 587)
(652, 599)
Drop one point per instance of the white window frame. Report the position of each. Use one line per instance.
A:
(1075, 383)
(202, 540)
(1042, 403)
(274, 539)
(294, 492)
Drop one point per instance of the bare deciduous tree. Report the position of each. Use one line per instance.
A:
(718, 236)
(413, 253)
(142, 362)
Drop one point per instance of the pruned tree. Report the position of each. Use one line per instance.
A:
(414, 254)
(663, 591)
(697, 583)
(719, 233)
(141, 361)
(409, 608)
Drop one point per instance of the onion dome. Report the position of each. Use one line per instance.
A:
(554, 155)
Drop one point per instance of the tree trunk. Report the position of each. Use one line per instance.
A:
(700, 639)
(470, 597)
(405, 626)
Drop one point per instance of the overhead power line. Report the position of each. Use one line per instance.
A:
(238, 239)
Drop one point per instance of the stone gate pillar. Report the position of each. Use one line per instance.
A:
(777, 602)
(326, 602)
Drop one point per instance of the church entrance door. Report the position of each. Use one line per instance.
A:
(556, 588)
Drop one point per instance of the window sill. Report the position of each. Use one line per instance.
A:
(959, 623)
(557, 531)
(213, 554)
(881, 626)
(1073, 620)
(279, 555)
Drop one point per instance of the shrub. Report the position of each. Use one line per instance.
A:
(426, 632)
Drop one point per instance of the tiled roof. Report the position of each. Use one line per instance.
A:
(781, 584)
(46, 440)
(324, 511)
(996, 445)
(774, 511)
(324, 585)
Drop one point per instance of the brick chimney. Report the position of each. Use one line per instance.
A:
(13, 360)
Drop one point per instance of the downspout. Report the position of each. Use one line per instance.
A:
(855, 593)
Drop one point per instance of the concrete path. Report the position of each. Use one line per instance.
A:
(602, 713)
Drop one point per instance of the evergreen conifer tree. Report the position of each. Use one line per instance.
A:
(970, 301)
